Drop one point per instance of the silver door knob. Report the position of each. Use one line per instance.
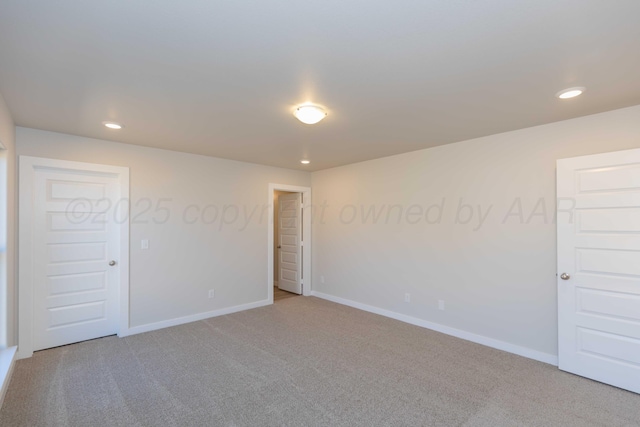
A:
(112, 263)
(565, 276)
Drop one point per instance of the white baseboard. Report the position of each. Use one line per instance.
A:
(7, 361)
(192, 318)
(458, 333)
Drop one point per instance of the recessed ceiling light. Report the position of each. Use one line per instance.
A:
(305, 162)
(113, 125)
(572, 92)
(309, 114)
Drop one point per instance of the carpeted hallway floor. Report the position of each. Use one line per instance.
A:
(302, 362)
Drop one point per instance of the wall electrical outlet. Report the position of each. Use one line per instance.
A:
(440, 304)
(407, 297)
(212, 293)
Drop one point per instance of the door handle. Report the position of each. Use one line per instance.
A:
(565, 276)
(279, 246)
(112, 263)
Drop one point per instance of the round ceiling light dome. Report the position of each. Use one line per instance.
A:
(572, 92)
(305, 162)
(310, 114)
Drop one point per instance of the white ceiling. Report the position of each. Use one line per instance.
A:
(221, 78)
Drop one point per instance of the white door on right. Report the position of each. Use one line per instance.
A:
(290, 242)
(599, 267)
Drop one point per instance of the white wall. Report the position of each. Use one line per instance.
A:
(185, 260)
(497, 279)
(8, 290)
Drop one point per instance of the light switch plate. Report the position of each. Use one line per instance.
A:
(144, 244)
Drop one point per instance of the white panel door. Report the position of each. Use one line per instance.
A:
(599, 267)
(289, 242)
(75, 238)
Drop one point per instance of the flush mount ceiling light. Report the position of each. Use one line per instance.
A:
(309, 114)
(113, 125)
(572, 92)
(305, 162)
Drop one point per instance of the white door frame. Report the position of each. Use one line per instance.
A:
(27, 167)
(306, 232)
(598, 328)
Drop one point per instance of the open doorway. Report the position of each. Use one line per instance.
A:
(289, 242)
(288, 238)
(287, 254)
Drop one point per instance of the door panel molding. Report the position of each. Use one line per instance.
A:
(28, 167)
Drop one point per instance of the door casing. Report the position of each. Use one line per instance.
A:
(27, 167)
(306, 232)
(594, 291)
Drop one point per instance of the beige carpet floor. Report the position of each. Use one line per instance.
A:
(302, 362)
